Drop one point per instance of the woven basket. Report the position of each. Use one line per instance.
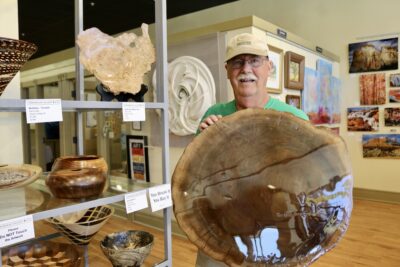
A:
(80, 227)
(13, 55)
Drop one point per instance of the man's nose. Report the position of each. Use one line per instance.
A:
(247, 66)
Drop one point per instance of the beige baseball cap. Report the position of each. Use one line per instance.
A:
(247, 43)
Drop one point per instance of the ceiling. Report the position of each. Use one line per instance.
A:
(50, 23)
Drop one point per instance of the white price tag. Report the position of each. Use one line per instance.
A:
(133, 111)
(43, 110)
(136, 201)
(16, 230)
(160, 197)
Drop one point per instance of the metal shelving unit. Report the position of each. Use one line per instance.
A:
(79, 106)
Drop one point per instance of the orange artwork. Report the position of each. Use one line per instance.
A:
(372, 89)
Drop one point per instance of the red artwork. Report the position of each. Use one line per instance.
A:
(372, 89)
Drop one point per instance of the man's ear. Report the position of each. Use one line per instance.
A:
(271, 64)
(227, 72)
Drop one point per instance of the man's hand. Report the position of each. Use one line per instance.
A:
(210, 120)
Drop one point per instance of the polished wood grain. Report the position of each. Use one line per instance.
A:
(373, 239)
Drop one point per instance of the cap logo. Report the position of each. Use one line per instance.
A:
(244, 43)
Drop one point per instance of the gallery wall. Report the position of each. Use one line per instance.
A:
(11, 131)
(331, 25)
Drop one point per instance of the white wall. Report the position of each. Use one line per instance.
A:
(332, 25)
(10, 123)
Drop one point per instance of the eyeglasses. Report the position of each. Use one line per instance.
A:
(254, 62)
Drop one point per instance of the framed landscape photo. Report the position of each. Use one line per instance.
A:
(375, 55)
(372, 89)
(392, 116)
(294, 100)
(274, 84)
(381, 146)
(294, 71)
(137, 157)
(394, 96)
(394, 80)
(363, 119)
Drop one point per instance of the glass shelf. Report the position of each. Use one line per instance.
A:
(18, 105)
(37, 200)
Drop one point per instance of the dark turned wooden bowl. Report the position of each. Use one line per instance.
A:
(76, 177)
(77, 183)
(82, 161)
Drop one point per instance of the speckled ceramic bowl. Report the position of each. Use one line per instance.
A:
(128, 248)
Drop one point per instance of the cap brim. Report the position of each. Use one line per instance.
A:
(246, 50)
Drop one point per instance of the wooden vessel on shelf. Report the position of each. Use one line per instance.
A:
(77, 177)
(42, 253)
(18, 175)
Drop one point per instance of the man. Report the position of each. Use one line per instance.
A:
(248, 68)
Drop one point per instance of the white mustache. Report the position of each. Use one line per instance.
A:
(248, 76)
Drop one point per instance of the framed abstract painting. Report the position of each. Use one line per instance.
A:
(137, 157)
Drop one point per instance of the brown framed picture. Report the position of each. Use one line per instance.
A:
(294, 100)
(294, 71)
(274, 83)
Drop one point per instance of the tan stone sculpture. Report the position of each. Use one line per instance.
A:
(119, 63)
(263, 188)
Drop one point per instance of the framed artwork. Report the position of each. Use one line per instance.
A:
(372, 89)
(394, 80)
(137, 157)
(394, 96)
(363, 119)
(294, 71)
(137, 125)
(376, 55)
(294, 100)
(274, 84)
(321, 95)
(381, 146)
(392, 116)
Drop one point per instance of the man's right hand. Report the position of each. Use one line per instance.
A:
(210, 120)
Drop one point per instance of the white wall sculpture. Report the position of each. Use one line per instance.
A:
(191, 91)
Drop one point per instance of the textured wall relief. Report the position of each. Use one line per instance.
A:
(191, 91)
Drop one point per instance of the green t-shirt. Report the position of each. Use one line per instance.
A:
(228, 108)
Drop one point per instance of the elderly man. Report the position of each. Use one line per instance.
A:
(248, 68)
